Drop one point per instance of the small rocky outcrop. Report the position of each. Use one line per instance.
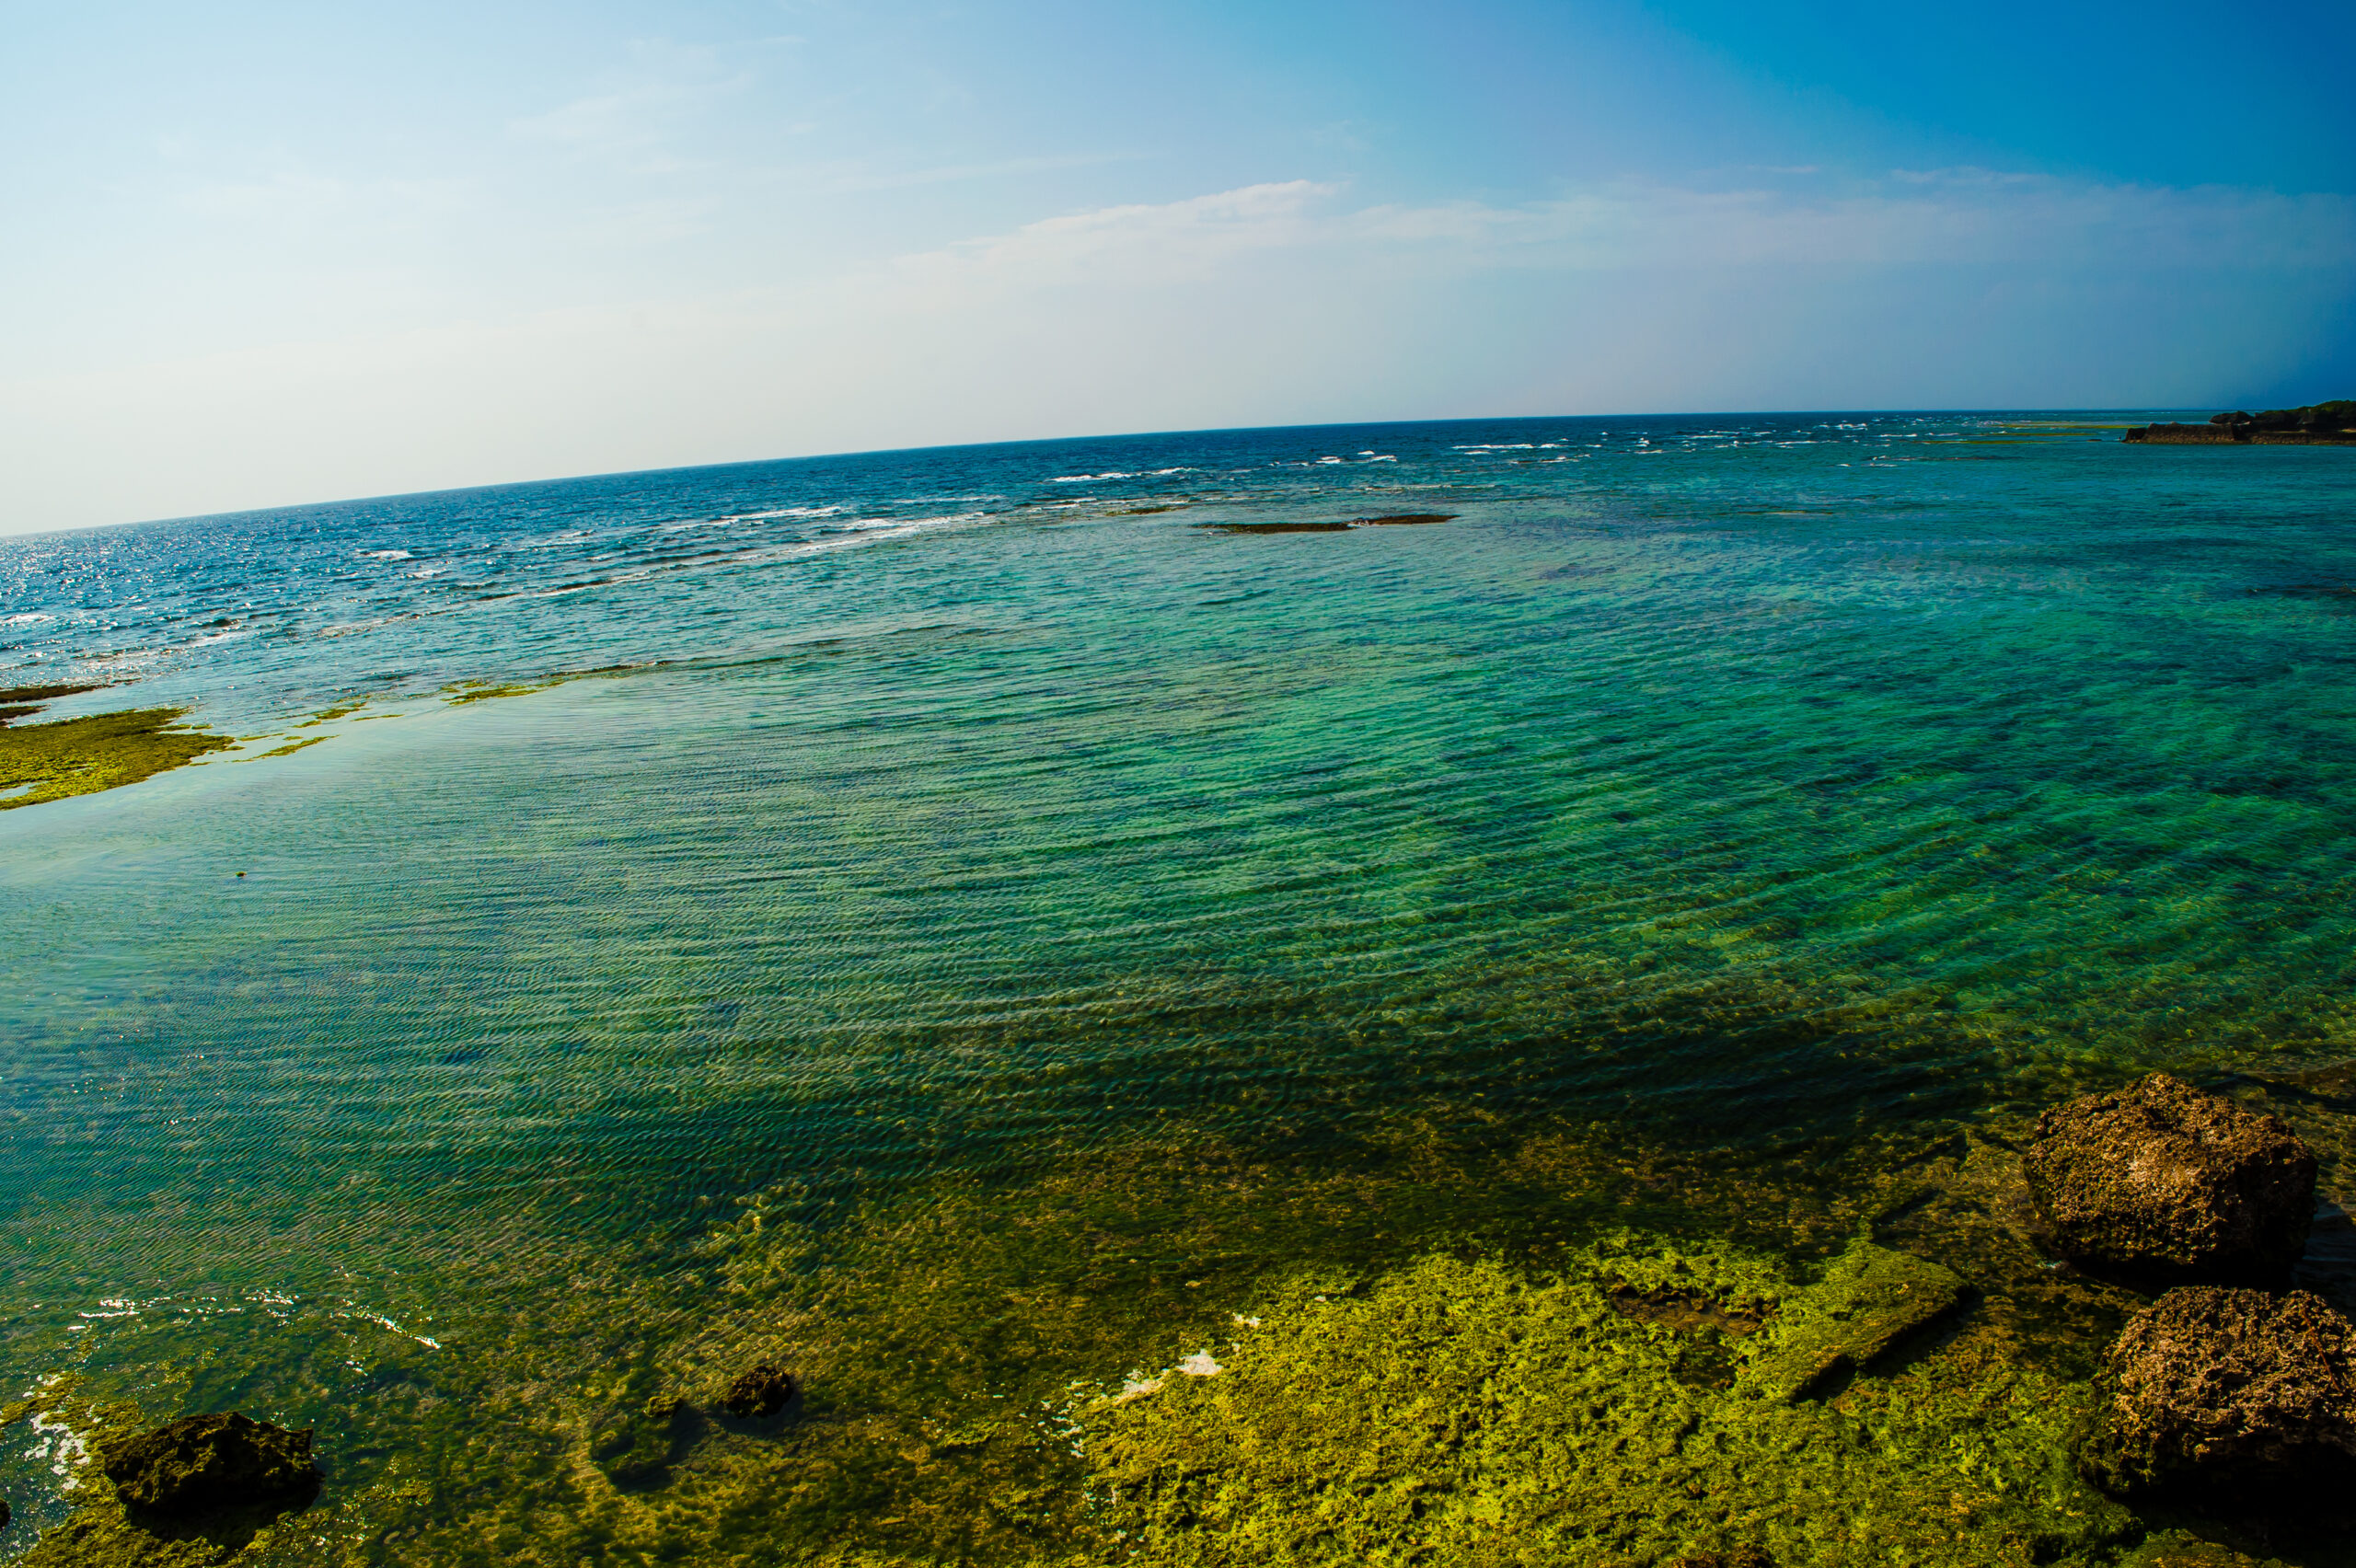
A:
(2228, 1393)
(201, 1463)
(2180, 435)
(2160, 1181)
(2327, 424)
(760, 1393)
(1870, 1299)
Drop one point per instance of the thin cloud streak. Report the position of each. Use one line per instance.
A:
(1280, 302)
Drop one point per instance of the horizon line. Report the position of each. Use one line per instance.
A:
(8, 536)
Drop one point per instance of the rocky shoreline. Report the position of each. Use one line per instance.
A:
(2316, 424)
(1638, 1401)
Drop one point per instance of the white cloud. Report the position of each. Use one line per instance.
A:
(1271, 303)
(1131, 245)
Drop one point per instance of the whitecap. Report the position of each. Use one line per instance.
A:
(781, 511)
(385, 554)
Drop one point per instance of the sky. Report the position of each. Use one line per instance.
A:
(260, 255)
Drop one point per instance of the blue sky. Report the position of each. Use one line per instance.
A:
(266, 254)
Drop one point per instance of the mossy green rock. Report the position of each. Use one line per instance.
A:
(199, 1463)
(1470, 1413)
(1870, 1299)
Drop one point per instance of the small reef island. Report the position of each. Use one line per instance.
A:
(2317, 424)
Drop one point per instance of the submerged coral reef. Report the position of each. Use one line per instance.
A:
(1552, 1344)
(1471, 1411)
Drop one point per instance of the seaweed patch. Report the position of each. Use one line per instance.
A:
(1468, 1411)
(286, 750)
(101, 751)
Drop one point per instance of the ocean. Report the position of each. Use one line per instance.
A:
(970, 925)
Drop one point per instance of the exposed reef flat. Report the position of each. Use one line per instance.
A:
(16, 702)
(1392, 520)
(2317, 424)
(101, 751)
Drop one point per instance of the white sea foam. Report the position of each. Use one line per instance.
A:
(1499, 446)
(781, 511)
(381, 1322)
(29, 618)
(386, 555)
(59, 1443)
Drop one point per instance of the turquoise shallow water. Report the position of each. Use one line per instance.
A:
(1750, 783)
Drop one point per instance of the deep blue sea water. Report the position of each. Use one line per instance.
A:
(1747, 783)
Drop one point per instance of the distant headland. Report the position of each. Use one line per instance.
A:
(2318, 424)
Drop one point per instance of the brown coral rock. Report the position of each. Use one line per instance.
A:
(2161, 1180)
(202, 1462)
(760, 1392)
(2226, 1392)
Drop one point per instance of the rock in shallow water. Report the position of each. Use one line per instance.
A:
(763, 1391)
(1871, 1298)
(2162, 1181)
(199, 1463)
(2228, 1392)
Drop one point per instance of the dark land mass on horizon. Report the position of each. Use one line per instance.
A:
(2317, 424)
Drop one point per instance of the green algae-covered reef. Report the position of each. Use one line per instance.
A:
(1553, 1344)
(198, 1491)
(81, 757)
(197, 1464)
(1458, 1410)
